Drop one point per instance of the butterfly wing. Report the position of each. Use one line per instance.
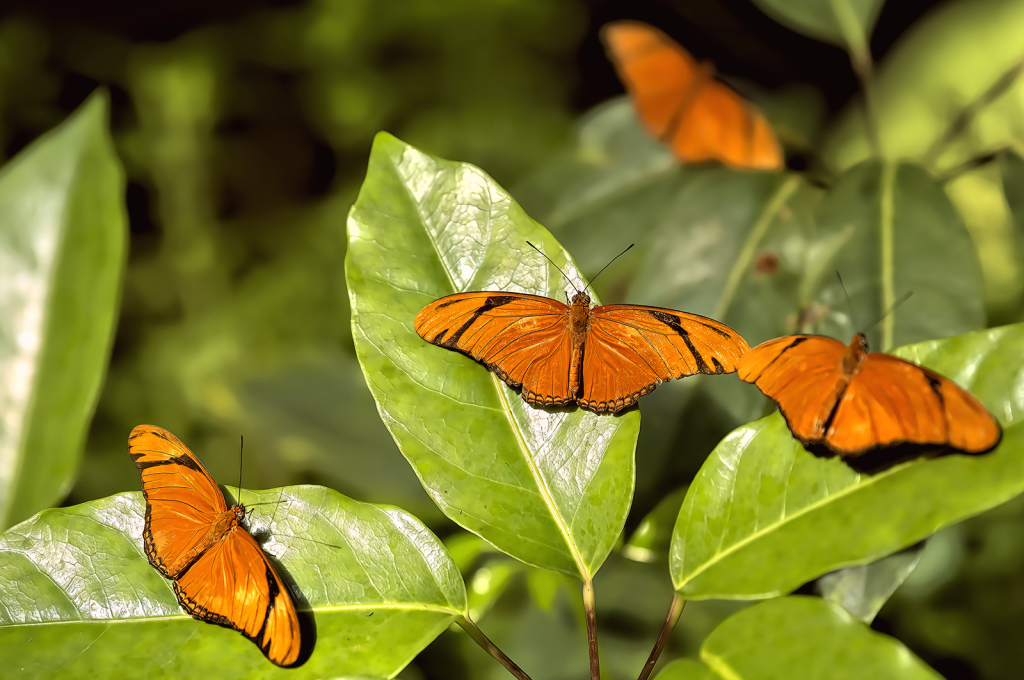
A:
(233, 584)
(803, 374)
(182, 500)
(892, 401)
(523, 338)
(631, 349)
(678, 101)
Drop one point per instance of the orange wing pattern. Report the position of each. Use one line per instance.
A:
(220, 574)
(680, 102)
(631, 349)
(524, 339)
(851, 406)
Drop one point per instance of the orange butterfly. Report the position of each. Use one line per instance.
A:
(604, 358)
(680, 102)
(192, 537)
(851, 402)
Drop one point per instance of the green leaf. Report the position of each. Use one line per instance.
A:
(893, 231)
(611, 185)
(799, 637)
(764, 516)
(653, 536)
(733, 247)
(62, 249)
(1012, 167)
(942, 65)
(550, 487)
(864, 589)
(846, 23)
(80, 596)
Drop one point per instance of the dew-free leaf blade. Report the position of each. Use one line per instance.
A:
(840, 22)
(809, 638)
(764, 516)
(863, 590)
(62, 242)
(549, 487)
(891, 231)
(80, 596)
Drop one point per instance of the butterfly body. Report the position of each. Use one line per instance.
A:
(603, 358)
(850, 401)
(191, 536)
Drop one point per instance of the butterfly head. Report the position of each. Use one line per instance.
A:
(581, 300)
(239, 512)
(858, 351)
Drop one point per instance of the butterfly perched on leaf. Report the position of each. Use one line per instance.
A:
(679, 101)
(220, 573)
(853, 403)
(602, 358)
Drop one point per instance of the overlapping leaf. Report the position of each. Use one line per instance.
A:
(80, 597)
(764, 516)
(799, 638)
(839, 22)
(549, 487)
(62, 241)
(889, 230)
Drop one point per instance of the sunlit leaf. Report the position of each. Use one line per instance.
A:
(80, 597)
(62, 244)
(890, 230)
(863, 590)
(549, 487)
(764, 516)
(799, 638)
(835, 21)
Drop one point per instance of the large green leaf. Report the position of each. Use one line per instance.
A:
(80, 597)
(890, 230)
(732, 246)
(942, 65)
(549, 487)
(798, 638)
(764, 516)
(612, 185)
(62, 243)
(840, 22)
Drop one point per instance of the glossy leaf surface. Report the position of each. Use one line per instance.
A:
(864, 589)
(80, 597)
(799, 638)
(549, 487)
(764, 516)
(891, 230)
(835, 21)
(62, 243)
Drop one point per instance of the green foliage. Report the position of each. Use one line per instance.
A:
(840, 22)
(80, 596)
(549, 487)
(62, 243)
(764, 516)
(807, 637)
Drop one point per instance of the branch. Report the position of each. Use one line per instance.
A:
(590, 607)
(674, 611)
(491, 648)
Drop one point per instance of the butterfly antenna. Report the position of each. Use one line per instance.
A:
(608, 265)
(890, 310)
(849, 302)
(556, 266)
(241, 448)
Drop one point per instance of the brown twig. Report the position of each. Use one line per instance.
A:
(590, 608)
(674, 611)
(491, 648)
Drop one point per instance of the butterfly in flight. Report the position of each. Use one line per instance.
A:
(602, 358)
(851, 402)
(220, 573)
(679, 101)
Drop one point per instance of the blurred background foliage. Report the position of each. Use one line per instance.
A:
(245, 127)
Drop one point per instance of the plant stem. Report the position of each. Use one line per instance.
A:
(674, 611)
(491, 648)
(590, 607)
(860, 58)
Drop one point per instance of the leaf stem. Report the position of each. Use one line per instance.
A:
(478, 636)
(674, 611)
(863, 66)
(590, 607)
